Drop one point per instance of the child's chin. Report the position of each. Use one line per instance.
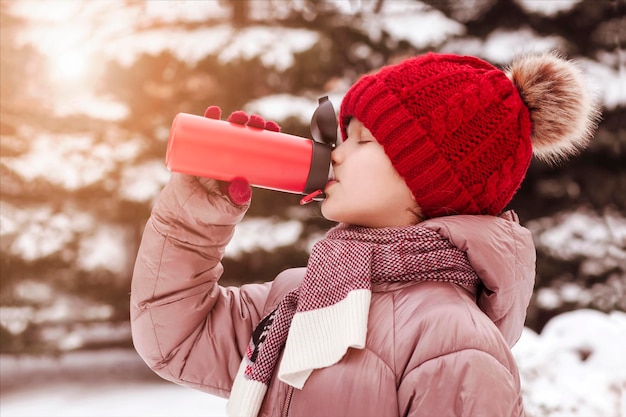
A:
(329, 212)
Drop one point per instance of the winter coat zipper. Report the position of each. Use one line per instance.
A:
(285, 412)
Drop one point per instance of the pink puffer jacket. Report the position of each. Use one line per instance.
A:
(431, 348)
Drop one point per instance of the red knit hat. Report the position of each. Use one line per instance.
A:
(455, 128)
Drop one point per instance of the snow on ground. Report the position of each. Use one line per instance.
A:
(574, 368)
(153, 399)
(108, 383)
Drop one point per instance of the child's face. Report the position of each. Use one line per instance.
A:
(367, 190)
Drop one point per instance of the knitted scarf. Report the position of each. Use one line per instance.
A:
(327, 314)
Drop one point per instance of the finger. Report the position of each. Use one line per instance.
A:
(273, 126)
(256, 121)
(240, 117)
(238, 190)
(213, 112)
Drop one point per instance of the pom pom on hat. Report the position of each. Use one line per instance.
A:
(563, 113)
(461, 133)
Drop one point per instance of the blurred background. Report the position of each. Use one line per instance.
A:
(88, 93)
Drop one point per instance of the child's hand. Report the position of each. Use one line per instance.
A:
(238, 190)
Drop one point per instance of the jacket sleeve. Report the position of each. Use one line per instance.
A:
(464, 383)
(185, 326)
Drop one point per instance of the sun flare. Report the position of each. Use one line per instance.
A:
(69, 66)
(67, 53)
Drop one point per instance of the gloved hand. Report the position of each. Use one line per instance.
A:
(238, 190)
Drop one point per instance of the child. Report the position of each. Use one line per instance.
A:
(410, 305)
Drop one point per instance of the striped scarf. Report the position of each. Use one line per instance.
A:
(327, 314)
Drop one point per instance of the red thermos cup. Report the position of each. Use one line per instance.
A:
(222, 150)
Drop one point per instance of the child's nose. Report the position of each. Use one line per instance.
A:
(336, 156)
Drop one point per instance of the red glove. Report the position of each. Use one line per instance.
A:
(238, 190)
